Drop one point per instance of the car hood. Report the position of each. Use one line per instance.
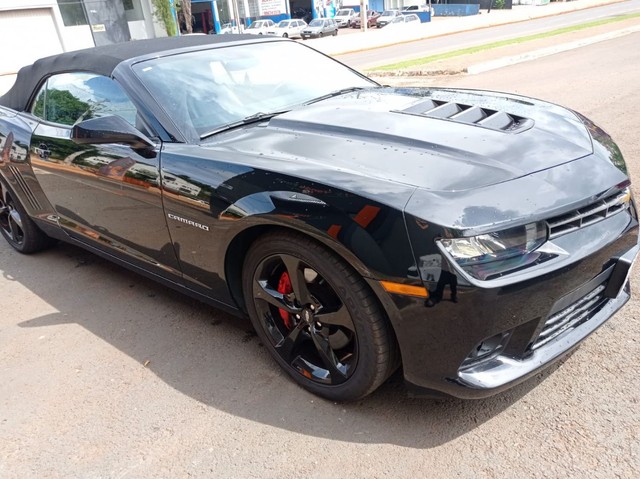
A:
(396, 135)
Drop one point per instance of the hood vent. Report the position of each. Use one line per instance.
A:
(469, 114)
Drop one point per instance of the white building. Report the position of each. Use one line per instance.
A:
(31, 29)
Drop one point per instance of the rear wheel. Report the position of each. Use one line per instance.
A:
(318, 318)
(320, 35)
(285, 35)
(17, 228)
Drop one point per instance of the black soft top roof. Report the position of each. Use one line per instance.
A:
(100, 60)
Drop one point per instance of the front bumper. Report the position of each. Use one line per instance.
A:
(436, 336)
(502, 371)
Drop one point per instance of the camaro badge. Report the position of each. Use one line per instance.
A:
(187, 222)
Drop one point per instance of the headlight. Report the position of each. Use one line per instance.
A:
(494, 253)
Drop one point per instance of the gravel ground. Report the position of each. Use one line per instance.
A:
(104, 374)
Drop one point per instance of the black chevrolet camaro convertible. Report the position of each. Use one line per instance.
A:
(469, 237)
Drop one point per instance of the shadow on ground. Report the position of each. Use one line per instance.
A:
(217, 360)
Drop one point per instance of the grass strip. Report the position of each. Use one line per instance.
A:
(502, 43)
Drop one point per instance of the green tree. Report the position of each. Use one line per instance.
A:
(63, 107)
(163, 14)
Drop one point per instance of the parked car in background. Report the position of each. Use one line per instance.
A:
(372, 16)
(288, 28)
(345, 17)
(260, 27)
(227, 28)
(320, 27)
(416, 8)
(386, 17)
(410, 19)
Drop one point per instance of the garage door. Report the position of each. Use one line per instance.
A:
(25, 36)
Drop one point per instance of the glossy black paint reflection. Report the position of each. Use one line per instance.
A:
(367, 174)
(210, 187)
(107, 195)
(436, 336)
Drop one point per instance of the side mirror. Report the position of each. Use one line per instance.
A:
(109, 129)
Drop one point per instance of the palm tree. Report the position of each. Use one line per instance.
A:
(185, 8)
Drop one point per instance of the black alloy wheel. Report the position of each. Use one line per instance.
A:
(318, 317)
(17, 228)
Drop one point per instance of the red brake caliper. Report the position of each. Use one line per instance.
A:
(284, 287)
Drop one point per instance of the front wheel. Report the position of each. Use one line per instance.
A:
(320, 35)
(17, 228)
(317, 317)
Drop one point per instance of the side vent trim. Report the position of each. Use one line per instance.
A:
(31, 198)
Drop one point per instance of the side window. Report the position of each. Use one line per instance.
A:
(72, 97)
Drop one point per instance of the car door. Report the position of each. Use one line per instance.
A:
(107, 195)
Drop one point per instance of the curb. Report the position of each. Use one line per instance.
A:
(544, 52)
(416, 73)
(482, 27)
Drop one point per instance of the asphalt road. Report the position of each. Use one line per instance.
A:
(76, 399)
(418, 49)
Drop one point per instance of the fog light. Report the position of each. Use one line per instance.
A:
(487, 349)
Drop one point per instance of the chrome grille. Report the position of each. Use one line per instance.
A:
(572, 316)
(590, 214)
(470, 114)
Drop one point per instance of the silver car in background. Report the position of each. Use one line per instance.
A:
(320, 27)
(387, 17)
(288, 28)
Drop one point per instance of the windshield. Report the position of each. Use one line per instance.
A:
(205, 90)
(343, 13)
(255, 25)
(316, 23)
(388, 13)
(283, 24)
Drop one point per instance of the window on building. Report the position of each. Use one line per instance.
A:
(72, 12)
(132, 10)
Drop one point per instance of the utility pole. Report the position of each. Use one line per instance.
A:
(364, 4)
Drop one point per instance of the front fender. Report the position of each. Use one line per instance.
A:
(369, 235)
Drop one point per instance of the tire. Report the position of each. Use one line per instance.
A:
(335, 32)
(17, 227)
(285, 35)
(320, 35)
(317, 317)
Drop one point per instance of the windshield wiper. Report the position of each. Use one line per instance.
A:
(335, 93)
(255, 118)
